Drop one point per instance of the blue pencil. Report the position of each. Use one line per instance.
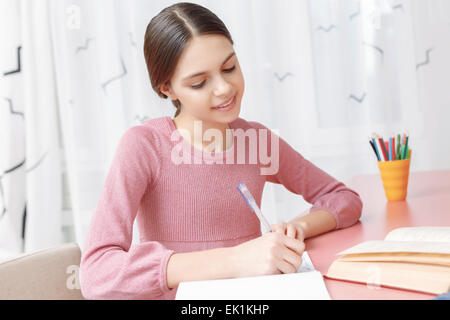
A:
(390, 149)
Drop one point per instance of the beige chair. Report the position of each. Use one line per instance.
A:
(45, 274)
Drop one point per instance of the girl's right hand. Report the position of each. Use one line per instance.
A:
(272, 253)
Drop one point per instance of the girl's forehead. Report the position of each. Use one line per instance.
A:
(202, 54)
(206, 40)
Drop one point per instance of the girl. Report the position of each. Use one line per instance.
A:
(192, 221)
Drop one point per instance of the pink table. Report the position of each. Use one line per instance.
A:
(427, 204)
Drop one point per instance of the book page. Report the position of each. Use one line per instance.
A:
(433, 234)
(425, 278)
(399, 246)
(404, 257)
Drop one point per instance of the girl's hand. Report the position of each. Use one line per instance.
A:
(272, 253)
(289, 229)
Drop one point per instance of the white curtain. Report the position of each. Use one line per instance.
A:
(30, 146)
(324, 74)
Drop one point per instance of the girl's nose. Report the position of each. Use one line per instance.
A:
(223, 87)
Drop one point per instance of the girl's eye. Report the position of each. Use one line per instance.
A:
(198, 86)
(229, 70)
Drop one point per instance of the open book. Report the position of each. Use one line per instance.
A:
(409, 258)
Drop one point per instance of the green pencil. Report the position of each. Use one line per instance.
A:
(405, 154)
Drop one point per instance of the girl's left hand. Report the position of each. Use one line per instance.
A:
(289, 229)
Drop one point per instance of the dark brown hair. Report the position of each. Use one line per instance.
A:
(167, 35)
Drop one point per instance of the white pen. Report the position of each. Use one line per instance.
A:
(245, 193)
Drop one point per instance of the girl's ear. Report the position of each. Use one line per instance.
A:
(167, 90)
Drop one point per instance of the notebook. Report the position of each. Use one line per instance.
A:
(408, 258)
(306, 284)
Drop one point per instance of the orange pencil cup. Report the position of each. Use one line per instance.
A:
(394, 175)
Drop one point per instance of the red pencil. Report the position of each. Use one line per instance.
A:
(382, 147)
(393, 148)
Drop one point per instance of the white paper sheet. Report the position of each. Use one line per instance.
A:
(307, 264)
(306, 284)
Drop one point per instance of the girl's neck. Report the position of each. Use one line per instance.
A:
(191, 126)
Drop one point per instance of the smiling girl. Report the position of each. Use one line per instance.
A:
(193, 224)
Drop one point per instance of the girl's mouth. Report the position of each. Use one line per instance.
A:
(228, 106)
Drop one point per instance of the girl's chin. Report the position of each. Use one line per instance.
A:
(227, 117)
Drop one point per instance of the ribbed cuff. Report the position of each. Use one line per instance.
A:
(163, 273)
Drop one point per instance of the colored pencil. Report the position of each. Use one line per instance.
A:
(389, 147)
(379, 148)
(393, 148)
(386, 144)
(406, 148)
(383, 148)
(375, 147)
(374, 150)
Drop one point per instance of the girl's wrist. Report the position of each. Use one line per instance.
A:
(315, 223)
(232, 261)
(219, 263)
(303, 226)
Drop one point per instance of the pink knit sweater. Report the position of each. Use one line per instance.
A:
(186, 207)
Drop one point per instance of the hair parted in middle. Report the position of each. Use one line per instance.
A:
(167, 35)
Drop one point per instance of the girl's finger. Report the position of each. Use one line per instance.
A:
(294, 244)
(300, 234)
(286, 267)
(291, 231)
(279, 227)
(274, 227)
(292, 257)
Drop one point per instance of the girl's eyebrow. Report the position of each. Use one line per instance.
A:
(203, 72)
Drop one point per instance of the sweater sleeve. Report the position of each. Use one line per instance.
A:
(317, 187)
(111, 267)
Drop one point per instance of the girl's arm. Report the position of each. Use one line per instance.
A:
(111, 267)
(199, 265)
(325, 193)
(272, 253)
(260, 256)
(315, 223)
(307, 226)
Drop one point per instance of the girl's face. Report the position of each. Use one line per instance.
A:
(207, 75)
